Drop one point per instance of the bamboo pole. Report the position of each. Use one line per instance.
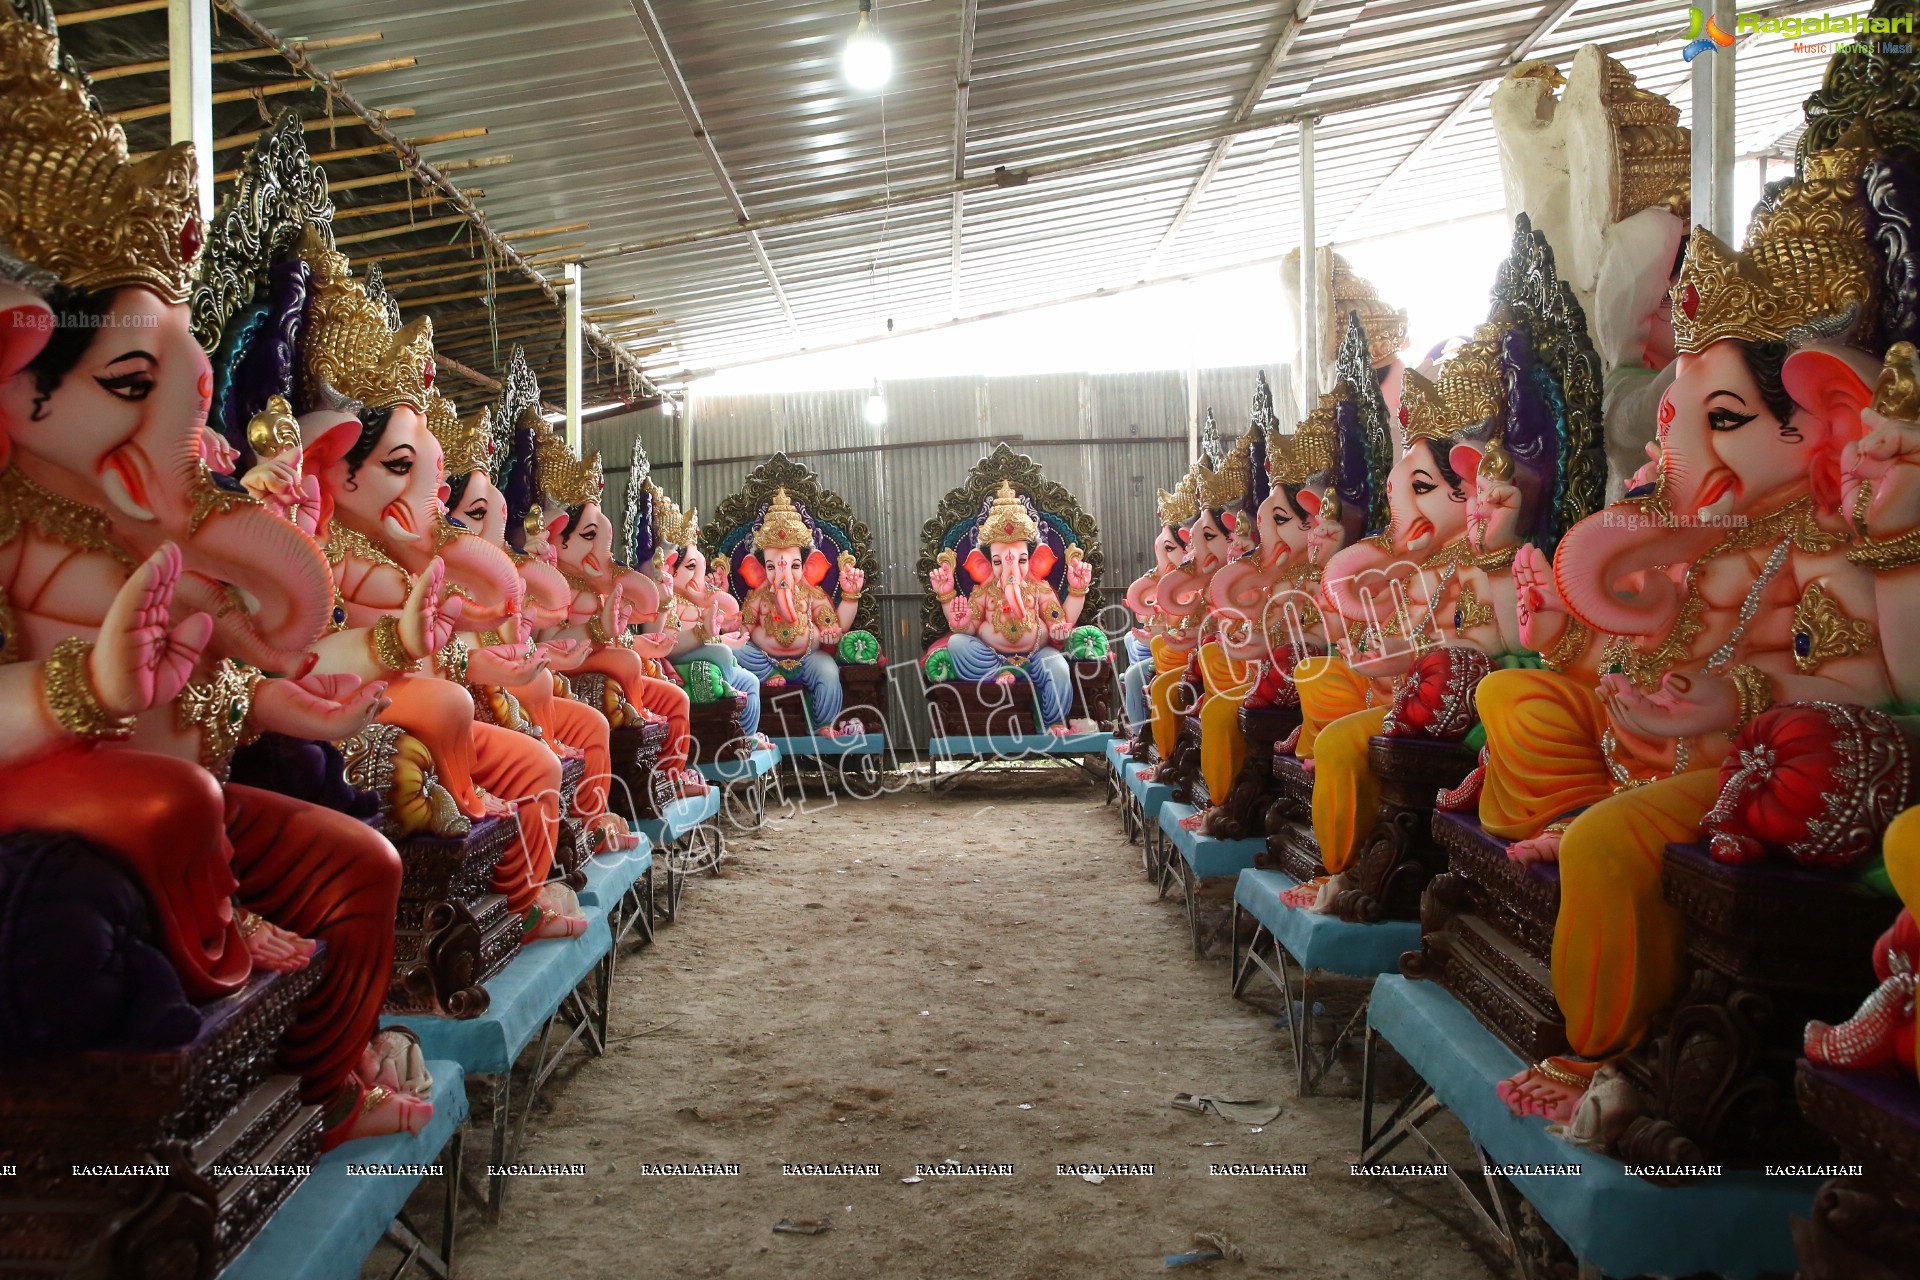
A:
(546, 231)
(381, 233)
(133, 114)
(315, 125)
(439, 298)
(379, 148)
(221, 56)
(401, 206)
(108, 11)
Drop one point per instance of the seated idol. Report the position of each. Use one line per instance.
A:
(792, 625)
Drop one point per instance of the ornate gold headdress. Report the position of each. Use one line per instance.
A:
(467, 443)
(1298, 457)
(782, 529)
(1654, 153)
(1806, 266)
(674, 527)
(1181, 505)
(348, 344)
(1007, 519)
(1470, 390)
(1222, 486)
(71, 202)
(1386, 325)
(561, 476)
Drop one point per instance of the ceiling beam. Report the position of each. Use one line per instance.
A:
(643, 10)
(1110, 156)
(962, 90)
(1276, 54)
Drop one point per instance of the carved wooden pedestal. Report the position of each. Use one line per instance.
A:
(1398, 856)
(1289, 822)
(638, 790)
(224, 1133)
(863, 697)
(717, 731)
(1181, 769)
(1770, 947)
(1242, 812)
(1865, 1226)
(960, 708)
(1486, 927)
(452, 932)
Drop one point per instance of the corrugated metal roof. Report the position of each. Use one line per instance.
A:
(577, 94)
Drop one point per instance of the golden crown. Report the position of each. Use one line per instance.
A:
(1222, 486)
(561, 476)
(1470, 391)
(782, 529)
(1807, 262)
(348, 344)
(1007, 519)
(71, 202)
(1654, 152)
(674, 527)
(467, 444)
(1181, 505)
(1295, 458)
(1386, 325)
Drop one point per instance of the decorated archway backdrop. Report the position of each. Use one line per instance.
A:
(728, 538)
(955, 527)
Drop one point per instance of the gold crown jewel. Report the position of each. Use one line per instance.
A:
(467, 443)
(1654, 152)
(1225, 484)
(561, 476)
(1007, 519)
(782, 528)
(1470, 392)
(1385, 325)
(1807, 270)
(674, 527)
(1181, 505)
(1298, 457)
(348, 344)
(71, 202)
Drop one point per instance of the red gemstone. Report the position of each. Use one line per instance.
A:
(1691, 303)
(191, 238)
(429, 373)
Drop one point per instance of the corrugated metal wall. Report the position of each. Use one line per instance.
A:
(1111, 439)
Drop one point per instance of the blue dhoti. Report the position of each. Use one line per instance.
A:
(818, 673)
(1045, 669)
(1134, 681)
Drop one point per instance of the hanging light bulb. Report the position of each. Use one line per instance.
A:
(868, 62)
(668, 407)
(876, 410)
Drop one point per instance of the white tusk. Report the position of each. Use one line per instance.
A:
(116, 490)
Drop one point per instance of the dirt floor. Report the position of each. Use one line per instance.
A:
(982, 975)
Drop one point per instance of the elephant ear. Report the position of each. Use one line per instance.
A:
(1465, 460)
(1827, 385)
(816, 568)
(1309, 500)
(753, 572)
(26, 323)
(979, 568)
(1042, 562)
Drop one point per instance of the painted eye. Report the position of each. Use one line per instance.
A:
(1422, 488)
(1728, 420)
(134, 387)
(399, 466)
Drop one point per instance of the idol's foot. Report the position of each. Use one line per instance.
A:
(1466, 796)
(1868, 1040)
(828, 731)
(556, 914)
(1192, 821)
(775, 682)
(393, 1058)
(1059, 730)
(609, 834)
(1544, 847)
(494, 806)
(690, 785)
(1286, 745)
(1302, 896)
(1005, 677)
(382, 1111)
(1552, 1089)
(273, 948)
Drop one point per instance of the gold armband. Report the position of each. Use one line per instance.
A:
(1756, 693)
(1572, 643)
(389, 651)
(1887, 553)
(597, 631)
(71, 697)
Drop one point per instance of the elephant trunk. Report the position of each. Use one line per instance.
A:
(487, 576)
(783, 602)
(267, 585)
(1611, 569)
(1240, 589)
(1140, 596)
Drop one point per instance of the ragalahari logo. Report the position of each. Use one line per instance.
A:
(1703, 35)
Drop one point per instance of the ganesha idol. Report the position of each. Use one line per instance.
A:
(1006, 631)
(706, 619)
(1501, 448)
(1762, 560)
(154, 615)
(1268, 602)
(789, 551)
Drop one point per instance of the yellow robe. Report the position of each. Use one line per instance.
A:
(1170, 667)
(1223, 748)
(1617, 944)
(1329, 689)
(1335, 723)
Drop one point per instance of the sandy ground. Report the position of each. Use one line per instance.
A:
(982, 975)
